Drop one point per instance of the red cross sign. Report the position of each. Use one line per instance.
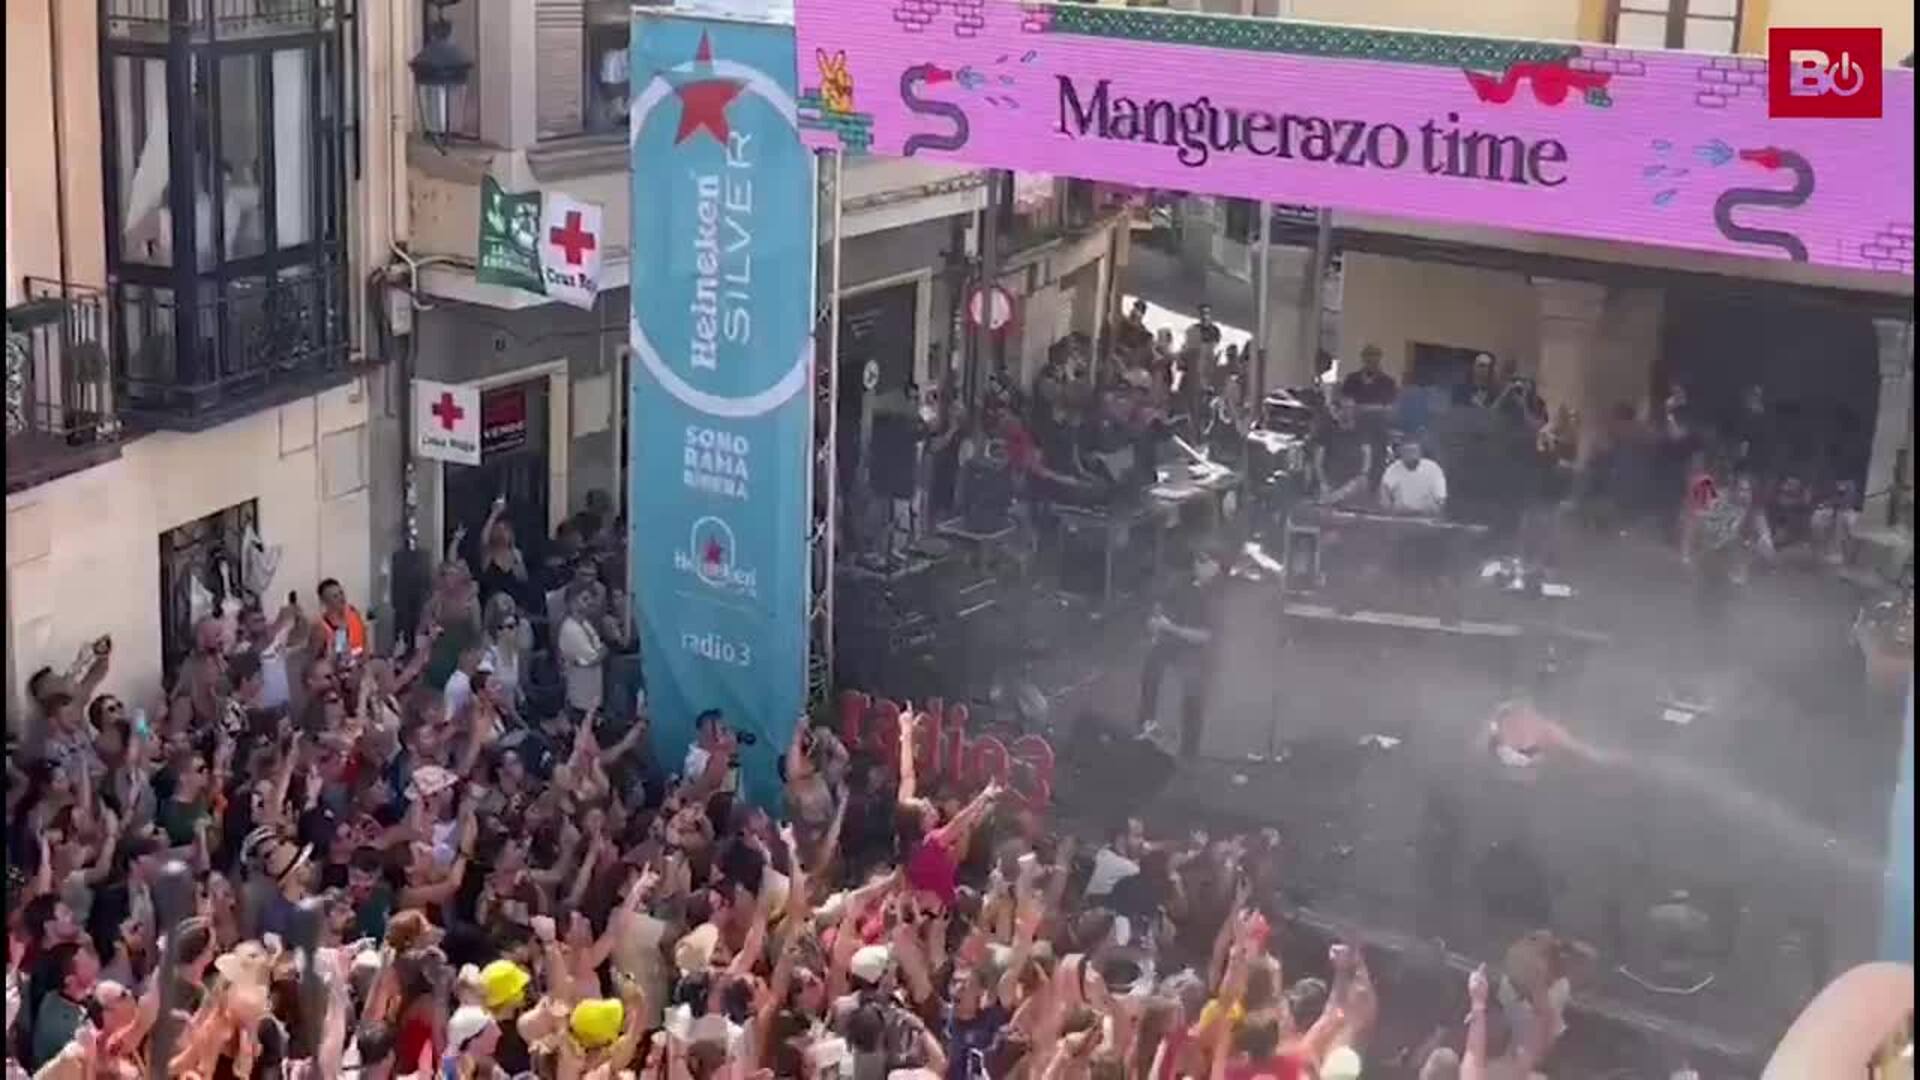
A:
(447, 411)
(446, 423)
(572, 239)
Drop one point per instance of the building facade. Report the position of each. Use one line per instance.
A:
(1599, 325)
(546, 109)
(189, 239)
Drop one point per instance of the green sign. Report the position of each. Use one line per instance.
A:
(509, 252)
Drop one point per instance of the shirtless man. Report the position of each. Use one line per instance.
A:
(1520, 736)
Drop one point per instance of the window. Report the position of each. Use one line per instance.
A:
(582, 66)
(608, 69)
(225, 156)
(198, 562)
(1243, 221)
(1695, 25)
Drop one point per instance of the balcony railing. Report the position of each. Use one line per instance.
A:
(1073, 212)
(254, 343)
(60, 405)
(218, 20)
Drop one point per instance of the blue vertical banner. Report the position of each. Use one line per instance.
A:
(721, 411)
(1896, 907)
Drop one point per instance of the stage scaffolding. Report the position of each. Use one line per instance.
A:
(824, 497)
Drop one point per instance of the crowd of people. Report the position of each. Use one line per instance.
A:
(469, 843)
(1731, 488)
(462, 859)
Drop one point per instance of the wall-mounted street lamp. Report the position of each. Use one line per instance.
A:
(440, 71)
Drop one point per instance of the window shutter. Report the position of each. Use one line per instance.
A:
(559, 36)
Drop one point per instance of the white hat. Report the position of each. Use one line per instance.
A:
(430, 780)
(1342, 1064)
(467, 1024)
(871, 963)
(694, 951)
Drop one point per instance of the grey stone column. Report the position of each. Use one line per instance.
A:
(1288, 270)
(1569, 313)
(1892, 423)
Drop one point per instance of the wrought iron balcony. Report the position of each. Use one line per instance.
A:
(252, 344)
(60, 407)
(155, 21)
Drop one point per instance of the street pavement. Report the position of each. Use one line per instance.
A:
(1769, 811)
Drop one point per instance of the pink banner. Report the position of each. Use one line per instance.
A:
(1672, 149)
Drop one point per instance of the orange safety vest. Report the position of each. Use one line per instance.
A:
(356, 631)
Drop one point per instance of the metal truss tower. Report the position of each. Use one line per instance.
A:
(821, 527)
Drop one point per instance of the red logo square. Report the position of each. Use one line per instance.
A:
(1824, 72)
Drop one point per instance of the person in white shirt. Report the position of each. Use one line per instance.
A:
(1413, 484)
(270, 642)
(509, 641)
(713, 743)
(583, 655)
(1415, 487)
(1118, 860)
(458, 692)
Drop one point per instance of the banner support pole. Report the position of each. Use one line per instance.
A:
(1312, 290)
(1262, 277)
(825, 474)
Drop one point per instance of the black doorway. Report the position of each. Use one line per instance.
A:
(876, 327)
(513, 462)
(1441, 365)
(1818, 366)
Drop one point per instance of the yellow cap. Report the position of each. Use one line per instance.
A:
(598, 1022)
(502, 983)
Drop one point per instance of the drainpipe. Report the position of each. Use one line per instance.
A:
(984, 352)
(1262, 317)
(1312, 291)
(59, 145)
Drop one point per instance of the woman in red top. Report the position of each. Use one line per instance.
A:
(422, 1028)
(1703, 490)
(933, 852)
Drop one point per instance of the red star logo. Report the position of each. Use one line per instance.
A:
(703, 102)
(715, 554)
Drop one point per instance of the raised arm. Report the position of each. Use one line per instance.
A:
(909, 780)
(454, 545)
(1473, 1063)
(1026, 925)
(955, 832)
(102, 866)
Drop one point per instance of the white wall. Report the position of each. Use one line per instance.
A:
(1392, 303)
(83, 551)
(1628, 353)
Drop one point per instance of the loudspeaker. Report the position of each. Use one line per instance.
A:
(410, 579)
(1514, 886)
(895, 455)
(1108, 772)
(987, 495)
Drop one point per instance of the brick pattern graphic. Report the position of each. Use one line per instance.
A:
(1619, 63)
(1723, 78)
(854, 130)
(1304, 38)
(1891, 248)
(918, 16)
